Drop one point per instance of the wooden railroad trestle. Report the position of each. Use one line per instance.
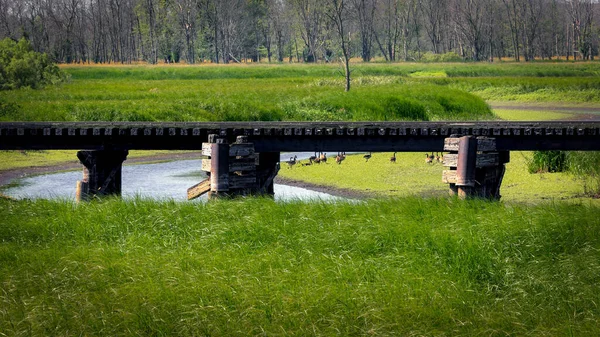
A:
(242, 158)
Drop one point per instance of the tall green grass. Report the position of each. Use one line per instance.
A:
(206, 72)
(240, 99)
(530, 89)
(299, 92)
(586, 167)
(256, 267)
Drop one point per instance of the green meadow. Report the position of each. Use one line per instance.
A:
(408, 260)
(299, 92)
(408, 266)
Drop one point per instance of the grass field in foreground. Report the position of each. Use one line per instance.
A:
(255, 267)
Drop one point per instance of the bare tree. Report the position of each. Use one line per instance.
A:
(409, 24)
(310, 14)
(187, 18)
(581, 13)
(337, 12)
(365, 13)
(7, 26)
(279, 25)
(435, 14)
(237, 30)
(388, 28)
(469, 18)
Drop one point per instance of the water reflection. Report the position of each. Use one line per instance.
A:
(157, 181)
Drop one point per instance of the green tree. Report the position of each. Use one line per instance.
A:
(21, 66)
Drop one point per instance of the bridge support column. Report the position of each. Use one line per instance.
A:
(235, 169)
(266, 171)
(219, 167)
(101, 173)
(476, 168)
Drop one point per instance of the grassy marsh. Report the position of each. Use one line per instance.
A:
(530, 115)
(298, 92)
(254, 267)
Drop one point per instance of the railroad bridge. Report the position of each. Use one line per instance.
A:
(243, 157)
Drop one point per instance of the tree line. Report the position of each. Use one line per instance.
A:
(225, 31)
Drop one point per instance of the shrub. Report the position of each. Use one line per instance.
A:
(548, 161)
(21, 66)
(586, 167)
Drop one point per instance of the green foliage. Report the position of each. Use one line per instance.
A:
(255, 267)
(8, 109)
(445, 57)
(586, 167)
(404, 109)
(531, 89)
(548, 161)
(21, 67)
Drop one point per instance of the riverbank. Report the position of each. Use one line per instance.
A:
(10, 175)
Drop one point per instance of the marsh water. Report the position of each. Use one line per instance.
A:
(168, 180)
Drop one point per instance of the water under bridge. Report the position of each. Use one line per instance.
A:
(243, 157)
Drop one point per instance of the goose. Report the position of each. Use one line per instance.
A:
(291, 162)
(393, 158)
(323, 157)
(367, 157)
(340, 157)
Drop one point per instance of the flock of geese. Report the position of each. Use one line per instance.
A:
(322, 158)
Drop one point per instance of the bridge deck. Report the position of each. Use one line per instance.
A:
(299, 136)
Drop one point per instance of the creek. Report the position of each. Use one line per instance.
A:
(162, 181)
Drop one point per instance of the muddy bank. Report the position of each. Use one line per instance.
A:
(335, 191)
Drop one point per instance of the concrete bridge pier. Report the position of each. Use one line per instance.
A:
(476, 167)
(101, 173)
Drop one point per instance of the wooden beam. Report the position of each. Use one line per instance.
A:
(483, 144)
(235, 150)
(234, 165)
(483, 159)
(449, 176)
(198, 189)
